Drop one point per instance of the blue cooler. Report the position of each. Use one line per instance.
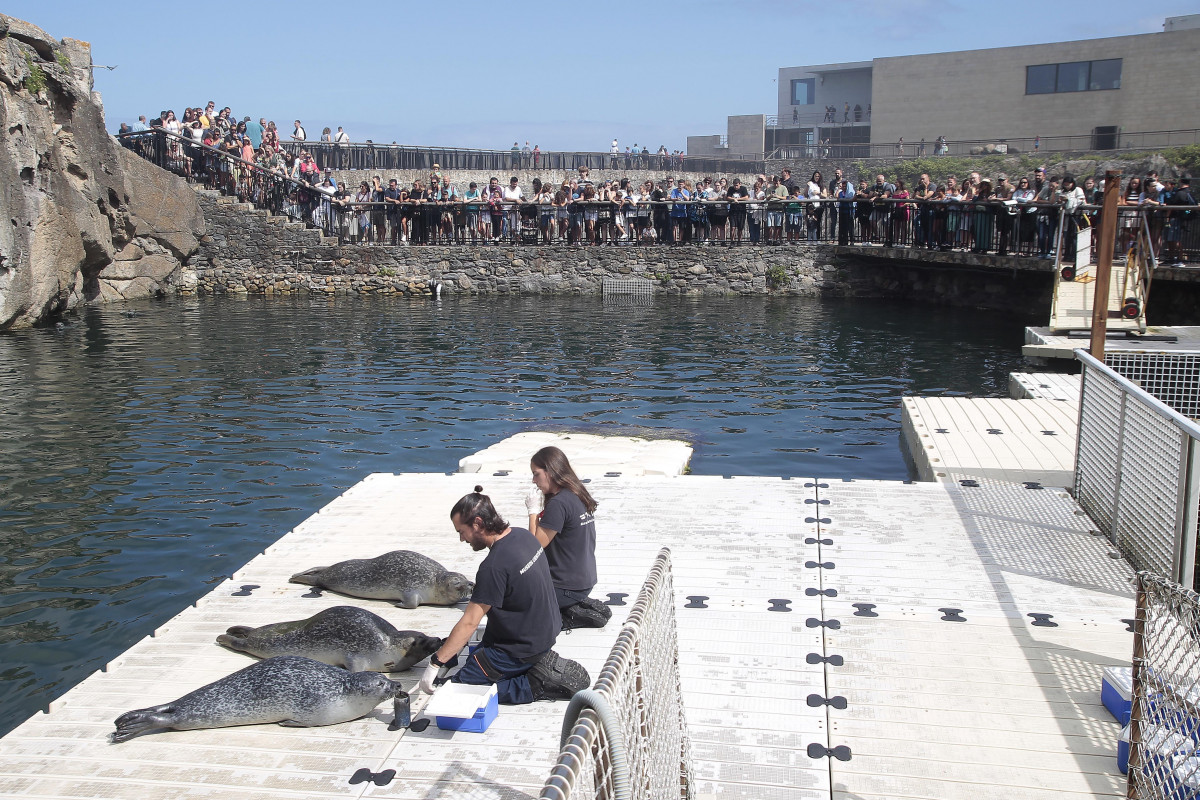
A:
(1116, 692)
(463, 707)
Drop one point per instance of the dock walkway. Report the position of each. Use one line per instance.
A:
(912, 602)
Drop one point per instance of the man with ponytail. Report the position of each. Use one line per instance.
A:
(513, 589)
(567, 529)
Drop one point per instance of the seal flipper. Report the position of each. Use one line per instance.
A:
(355, 662)
(134, 723)
(409, 599)
(310, 577)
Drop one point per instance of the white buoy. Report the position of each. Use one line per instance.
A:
(437, 291)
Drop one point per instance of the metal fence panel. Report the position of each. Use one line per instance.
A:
(1173, 378)
(1136, 472)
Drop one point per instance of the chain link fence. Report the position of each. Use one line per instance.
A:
(629, 738)
(1137, 472)
(1164, 728)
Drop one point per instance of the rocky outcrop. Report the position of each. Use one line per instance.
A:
(87, 220)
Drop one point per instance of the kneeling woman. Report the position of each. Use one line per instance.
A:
(513, 588)
(567, 529)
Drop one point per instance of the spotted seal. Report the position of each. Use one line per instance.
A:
(409, 578)
(291, 690)
(343, 636)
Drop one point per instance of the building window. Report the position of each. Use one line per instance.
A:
(1073, 76)
(803, 91)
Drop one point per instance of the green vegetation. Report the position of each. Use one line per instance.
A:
(63, 59)
(36, 80)
(388, 272)
(777, 276)
(1185, 158)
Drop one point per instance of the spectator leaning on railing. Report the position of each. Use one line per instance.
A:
(981, 215)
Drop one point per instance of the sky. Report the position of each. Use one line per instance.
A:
(562, 75)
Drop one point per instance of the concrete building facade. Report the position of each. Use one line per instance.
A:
(1094, 89)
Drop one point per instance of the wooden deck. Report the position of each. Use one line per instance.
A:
(989, 707)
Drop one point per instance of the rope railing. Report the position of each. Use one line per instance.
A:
(627, 736)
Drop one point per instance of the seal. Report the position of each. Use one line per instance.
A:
(409, 578)
(344, 636)
(291, 690)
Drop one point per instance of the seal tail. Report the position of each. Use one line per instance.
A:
(310, 577)
(134, 723)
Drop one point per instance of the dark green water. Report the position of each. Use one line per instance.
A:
(149, 450)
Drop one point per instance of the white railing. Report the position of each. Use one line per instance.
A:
(626, 739)
(1137, 472)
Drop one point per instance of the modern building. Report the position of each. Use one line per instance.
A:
(1097, 91)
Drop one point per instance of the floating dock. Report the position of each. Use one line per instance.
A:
(1020, 441)
(1047, 343)
(874, 640)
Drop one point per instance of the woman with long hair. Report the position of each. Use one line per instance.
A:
(561, 517)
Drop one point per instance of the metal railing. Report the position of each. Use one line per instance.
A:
(1164, 724)
(627, 737)
(1137, 472)
(251, 183)
(982, 227)
(370, 156)
(1085, 142)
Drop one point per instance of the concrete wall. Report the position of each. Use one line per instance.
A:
(704, 145)
(747, 134)
(977, 94)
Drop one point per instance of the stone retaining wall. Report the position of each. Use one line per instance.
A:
(249, 251)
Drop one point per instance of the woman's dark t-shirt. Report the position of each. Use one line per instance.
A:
(572, 552)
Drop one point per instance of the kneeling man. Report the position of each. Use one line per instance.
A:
(513, 588)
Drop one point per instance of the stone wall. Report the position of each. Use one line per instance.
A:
(248, 251)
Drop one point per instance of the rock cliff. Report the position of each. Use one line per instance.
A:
(88, 221)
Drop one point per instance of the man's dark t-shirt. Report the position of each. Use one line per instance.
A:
(572, 551)
(514, 580)
(392, 194)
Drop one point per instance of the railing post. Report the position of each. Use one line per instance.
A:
(1186, 515)
(1114, 534)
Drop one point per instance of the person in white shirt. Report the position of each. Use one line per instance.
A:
(513, 197)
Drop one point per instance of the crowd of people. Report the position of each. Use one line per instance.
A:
(978, 214)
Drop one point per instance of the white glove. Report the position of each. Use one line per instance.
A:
(432, 673)
(534, 500)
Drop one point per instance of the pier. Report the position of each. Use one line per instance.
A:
(905, 622)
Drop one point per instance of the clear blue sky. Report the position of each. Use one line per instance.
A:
(560, 74)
